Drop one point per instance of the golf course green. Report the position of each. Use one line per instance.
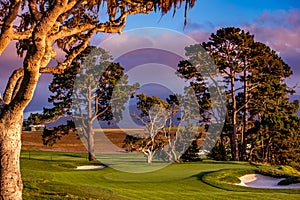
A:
(53, 175)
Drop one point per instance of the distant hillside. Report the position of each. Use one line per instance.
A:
(32, 140)
(63, 120)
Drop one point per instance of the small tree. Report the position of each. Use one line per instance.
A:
(171, 128)
(34, 119)
(192, 153)
(184, 131)
(154, 115)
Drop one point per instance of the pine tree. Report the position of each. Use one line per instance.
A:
(88, 87)
(229, 50)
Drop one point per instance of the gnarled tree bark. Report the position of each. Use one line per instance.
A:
(10, 147)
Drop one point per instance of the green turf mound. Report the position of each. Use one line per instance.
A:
(228, 178)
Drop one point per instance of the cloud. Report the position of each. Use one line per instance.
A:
(144, 56)
(145, 38)
(141, 46)
(9, 61)
(288, 19)
(199, 35)
(281, 31)
(41, 94)
(281, 39)
(197, 26)
(144, 53)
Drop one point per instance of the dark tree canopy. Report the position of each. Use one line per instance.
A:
(260, 118)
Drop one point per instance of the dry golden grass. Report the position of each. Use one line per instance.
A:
(32, 140)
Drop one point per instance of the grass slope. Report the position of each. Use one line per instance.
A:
(32, 140)
(52, 175)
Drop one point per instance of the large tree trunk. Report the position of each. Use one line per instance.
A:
(10, 148)
(222, 147)
(91, 149)
(234, 139)
(91, 132)
(246, 112)
(150, 157)
(11, 121)
(91, 143)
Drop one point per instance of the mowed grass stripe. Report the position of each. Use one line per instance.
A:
(58, 179)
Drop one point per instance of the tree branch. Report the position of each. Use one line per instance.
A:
(66, 32)
(34, 11)
(7, 25)
(70, 9)
(23, 35)
(49, 19)
(17, 87)
(114, 26)
(99, 113)
(59, 69)
(49, 53)
(11, 85)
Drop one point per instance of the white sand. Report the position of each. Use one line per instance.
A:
(90, 167)
(261, 181)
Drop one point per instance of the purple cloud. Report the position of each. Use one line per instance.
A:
(281, 30)
(289, 19)
(199, 35)
(9, 61)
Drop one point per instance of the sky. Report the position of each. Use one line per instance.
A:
(273, 22)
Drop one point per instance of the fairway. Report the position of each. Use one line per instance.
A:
(53, 175)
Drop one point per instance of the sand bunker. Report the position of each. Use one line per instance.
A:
(90, 167)
(261, 181)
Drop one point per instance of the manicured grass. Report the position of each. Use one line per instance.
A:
(52, 175)
(225, 179)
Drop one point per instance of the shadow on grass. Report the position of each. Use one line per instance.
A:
(51, 159)
(73, 155)
(225, 162)
(52, 156)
